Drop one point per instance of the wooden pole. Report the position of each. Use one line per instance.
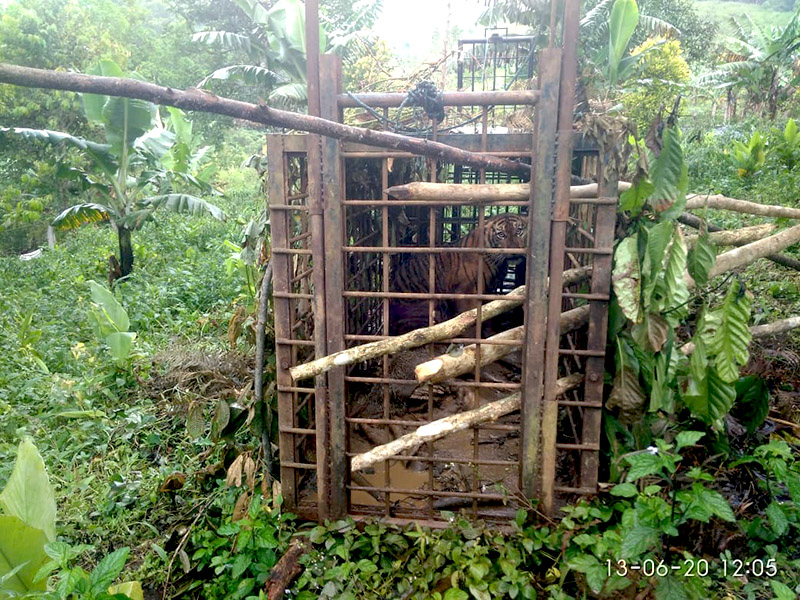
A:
(426, 335)
(200, 100)
(696, 201)
(478, 192)
(447, 366)
(440, 428)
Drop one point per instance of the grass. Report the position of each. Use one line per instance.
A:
(107, 443)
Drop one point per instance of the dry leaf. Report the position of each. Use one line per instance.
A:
(241, 507)
(234, 477)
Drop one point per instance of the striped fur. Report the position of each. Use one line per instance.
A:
(454, 273)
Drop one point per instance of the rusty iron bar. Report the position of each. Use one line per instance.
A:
(282, 309)
(333, 188)
(558, 231)
(433, 250)
(538, 271)
(440, 493)
(457, 461)
(393, 100)
(605, 222)
(316, 210)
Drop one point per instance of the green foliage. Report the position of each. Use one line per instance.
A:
(241, 550)
(659, 77)
(110, 323)
(748, 158)
(28, 521)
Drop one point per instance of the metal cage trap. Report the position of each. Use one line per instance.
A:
(351, 263)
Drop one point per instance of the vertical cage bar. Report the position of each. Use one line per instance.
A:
(537, 270)
(332, 194)
(598, 319)
(282, 306)
(558, 239)
(318, 252)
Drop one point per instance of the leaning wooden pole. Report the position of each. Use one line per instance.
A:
(448, 366)
(697, 201)
(426, 335)
(436, 430)
(199, 100)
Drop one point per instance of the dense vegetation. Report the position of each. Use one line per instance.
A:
(140, 401)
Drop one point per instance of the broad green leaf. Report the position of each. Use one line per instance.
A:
(125, 120)
(21, 551)
(455, 594)
(627, 278)
(634, 199)
(637, 541)
(676, 288)
(120, 345)
(290, 92)
(707, 503)
(100, 153)
(621, 25)
(710, 398)
(185, 203)
(82, 214)
(254, 10)
(93, 103)
(28, 494)
(727, 332)
(643, 464)
(107, 570)
(112, 310)
(782, 591)
(670, 176)
(752, 402)
(655, 257)
(777, 518)
(790, 131)
(156, 142)
(701, 259)
(195, 424)
(132, 589)
(625, 490)
(249, 74)
(687, 438)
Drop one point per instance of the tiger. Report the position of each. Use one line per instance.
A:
(454, 273)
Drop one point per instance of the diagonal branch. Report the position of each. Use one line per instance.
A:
(198, 100)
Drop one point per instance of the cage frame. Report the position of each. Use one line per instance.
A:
(321, 210)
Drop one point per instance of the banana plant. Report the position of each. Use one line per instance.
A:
(140, 168)
(275, 49)
(607, 30)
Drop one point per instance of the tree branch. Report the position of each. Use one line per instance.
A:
(198, 100)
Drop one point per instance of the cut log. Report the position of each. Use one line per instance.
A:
(696, 201)
(286, 569)
(780, 259)
(759, 331)
(419, 337)
(448, 366)
(478, 193)
(737, 237)
(740, 257)
(436, 430)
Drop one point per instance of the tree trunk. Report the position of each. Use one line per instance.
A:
(699, 201)
(125, 251)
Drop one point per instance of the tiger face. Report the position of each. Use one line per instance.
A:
(507, 231)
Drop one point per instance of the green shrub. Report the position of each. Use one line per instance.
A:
(661, 74)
